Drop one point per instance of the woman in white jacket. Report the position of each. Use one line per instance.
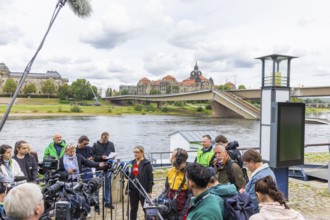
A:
(272, 202)
(9, 167)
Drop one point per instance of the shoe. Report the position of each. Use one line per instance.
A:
(107, 205)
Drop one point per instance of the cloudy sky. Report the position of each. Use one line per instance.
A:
(125, 40)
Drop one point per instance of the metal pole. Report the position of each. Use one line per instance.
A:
(58, 7)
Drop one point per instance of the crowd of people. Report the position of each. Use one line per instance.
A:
(198, 190)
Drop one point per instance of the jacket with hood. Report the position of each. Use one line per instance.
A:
(259, 173)
(273, 210)
(145, 175)
(223, 190)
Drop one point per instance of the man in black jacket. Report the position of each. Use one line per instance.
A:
(101, 152)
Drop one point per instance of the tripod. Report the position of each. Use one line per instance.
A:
(136, 183)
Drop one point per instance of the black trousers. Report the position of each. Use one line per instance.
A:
(134, 198)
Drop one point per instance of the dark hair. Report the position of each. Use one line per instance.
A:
(183, 154)
(83, 138)
(221, 138)
(199, 174)
(253, 155)
(3, 149)
(207, 136)
(213, 179)
(267, 186)
(18, 145)
(105, 134)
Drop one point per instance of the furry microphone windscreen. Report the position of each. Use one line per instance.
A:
(82, 8)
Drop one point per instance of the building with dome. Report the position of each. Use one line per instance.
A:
(168, 84)
(37, 78)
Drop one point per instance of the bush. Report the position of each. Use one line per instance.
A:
(150, 108)
(200, 108)
(75, 108)
(164, 109)
(179, 104)
(208, 106)
(138, 107)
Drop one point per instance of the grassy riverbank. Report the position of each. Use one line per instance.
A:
(43, 106)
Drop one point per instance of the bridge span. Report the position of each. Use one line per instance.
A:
(254, 94)
(224, 103)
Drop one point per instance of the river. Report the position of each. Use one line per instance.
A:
(151, 131)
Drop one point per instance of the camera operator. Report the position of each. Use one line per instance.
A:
(175, 186)
(26, 161)
(9, 167)
(3, 191)
(24, 202)
(71, 163)
(101, 150)
(142, 171)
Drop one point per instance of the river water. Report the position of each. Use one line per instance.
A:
(151, 131)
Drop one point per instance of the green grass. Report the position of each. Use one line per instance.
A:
(317, 158)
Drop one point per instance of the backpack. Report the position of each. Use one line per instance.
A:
(234, 153)
(228, 171)
(238, 207)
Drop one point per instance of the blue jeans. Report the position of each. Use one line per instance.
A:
(107, 188)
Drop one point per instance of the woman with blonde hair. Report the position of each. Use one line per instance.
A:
(71, 163)
(272, 203)
(142, 171)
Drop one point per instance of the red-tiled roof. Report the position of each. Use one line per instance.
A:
(144, 81)
(169, 78)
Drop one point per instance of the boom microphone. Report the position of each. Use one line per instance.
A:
(81, 8)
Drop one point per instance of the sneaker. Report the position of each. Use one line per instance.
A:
(107, 205)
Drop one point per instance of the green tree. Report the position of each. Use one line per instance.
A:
(9, 87)
(175, 89)
(241, 87)
(48, 88)
(30, 89)
(65, 92)
(82, 89)
(154, 92)
(108, 92)
(124, 92)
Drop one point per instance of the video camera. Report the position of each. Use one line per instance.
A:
(70, 198)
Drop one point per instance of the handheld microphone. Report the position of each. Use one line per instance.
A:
(135, 170)
(81, 8)
(119, 168)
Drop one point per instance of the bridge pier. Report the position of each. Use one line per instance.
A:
(222, 111)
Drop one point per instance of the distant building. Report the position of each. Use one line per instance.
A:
(37, 78)
(167, 85)
(131, 90)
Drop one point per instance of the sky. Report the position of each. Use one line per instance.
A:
(125, 40)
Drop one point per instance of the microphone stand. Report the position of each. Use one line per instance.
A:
(136, 183)
(58, 7)
(122, 181)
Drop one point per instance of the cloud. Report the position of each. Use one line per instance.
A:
(9, 33)
(111, 31)
(187, 34)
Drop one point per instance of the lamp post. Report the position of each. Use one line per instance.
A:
(281, 122)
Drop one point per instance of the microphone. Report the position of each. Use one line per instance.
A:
(135, 170)
(81, 8)
(119, 167)
(19, 178)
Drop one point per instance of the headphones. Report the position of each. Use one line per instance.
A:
(178, 160)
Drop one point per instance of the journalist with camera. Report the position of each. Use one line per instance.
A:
(176, 195)
(24, 202)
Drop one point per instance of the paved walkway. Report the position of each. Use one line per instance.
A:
(310, 198)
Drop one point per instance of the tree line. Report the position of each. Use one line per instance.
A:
(81, 89)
